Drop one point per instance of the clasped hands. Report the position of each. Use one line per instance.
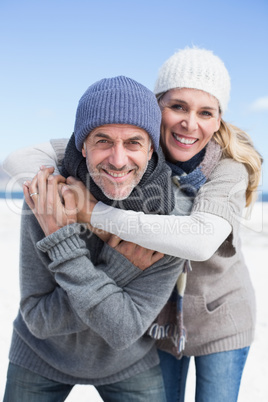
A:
(57, 202)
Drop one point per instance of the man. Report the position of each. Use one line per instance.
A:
(84, 306)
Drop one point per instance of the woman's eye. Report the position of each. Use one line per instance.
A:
(177, 107)
(206, 113)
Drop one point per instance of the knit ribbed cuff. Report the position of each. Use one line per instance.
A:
(63, 245)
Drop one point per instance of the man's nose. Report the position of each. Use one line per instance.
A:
(118, 157)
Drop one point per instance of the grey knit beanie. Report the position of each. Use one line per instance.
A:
(117, 100)
(198, 69)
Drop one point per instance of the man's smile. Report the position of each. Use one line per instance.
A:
(117, 174)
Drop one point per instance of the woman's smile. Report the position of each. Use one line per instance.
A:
(184, 141)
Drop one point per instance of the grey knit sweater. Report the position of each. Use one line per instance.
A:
(84, 307)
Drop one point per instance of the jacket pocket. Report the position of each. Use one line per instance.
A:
(204, 324)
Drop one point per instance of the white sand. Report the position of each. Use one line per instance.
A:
(255, 245)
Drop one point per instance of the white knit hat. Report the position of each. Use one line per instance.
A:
(198, 69)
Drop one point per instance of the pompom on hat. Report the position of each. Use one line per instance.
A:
(198, 69)
(117, 100)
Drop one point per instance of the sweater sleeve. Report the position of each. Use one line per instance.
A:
(224, 195)
(24, 163)
(66, 293)
(195, 237)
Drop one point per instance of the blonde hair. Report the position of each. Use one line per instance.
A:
(237, 144)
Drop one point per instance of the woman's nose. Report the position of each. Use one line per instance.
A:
(190, 122)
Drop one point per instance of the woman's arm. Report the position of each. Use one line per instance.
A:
(174, 235)
(24, 163)
(216, 214)
(195, 237)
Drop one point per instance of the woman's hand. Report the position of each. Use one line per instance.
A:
(141, 257)
(51, 201)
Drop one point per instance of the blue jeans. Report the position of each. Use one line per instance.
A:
(25, 386)
(218, 375)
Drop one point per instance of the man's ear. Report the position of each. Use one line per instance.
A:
(84, 150)
(150, 153)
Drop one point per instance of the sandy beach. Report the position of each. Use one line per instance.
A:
(255, 247)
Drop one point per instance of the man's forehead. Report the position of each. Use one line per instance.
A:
(119, 131)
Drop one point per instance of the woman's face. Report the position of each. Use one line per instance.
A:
(190, 117)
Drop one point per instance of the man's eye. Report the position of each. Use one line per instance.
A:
(103, 143)
(133, 145)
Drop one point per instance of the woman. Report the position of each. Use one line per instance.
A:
(216, 165)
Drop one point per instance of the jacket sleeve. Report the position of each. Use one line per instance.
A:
(114, 298)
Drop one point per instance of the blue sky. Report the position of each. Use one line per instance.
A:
(51, 51)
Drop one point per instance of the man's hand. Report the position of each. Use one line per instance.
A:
(50, 199)
(141, 257)
(85, 202)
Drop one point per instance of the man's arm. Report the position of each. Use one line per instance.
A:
(66, 293)
(113, 298)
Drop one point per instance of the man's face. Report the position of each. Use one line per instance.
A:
(117, 156)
